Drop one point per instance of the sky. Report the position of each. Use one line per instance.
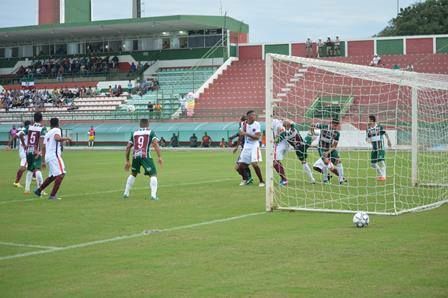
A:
(269, 21)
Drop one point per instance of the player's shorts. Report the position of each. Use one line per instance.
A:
(22, 157)
(55, 166)
(250, 155)
(333, 156)
(301, 152)
(320, 164)
(91, 138)
(147, 164)
(377, 155)
(280, 150)
(33, 162)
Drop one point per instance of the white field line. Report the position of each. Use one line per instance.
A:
(27, 245)
(121, 190)
(125, 237)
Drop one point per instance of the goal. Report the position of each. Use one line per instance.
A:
(411, 107)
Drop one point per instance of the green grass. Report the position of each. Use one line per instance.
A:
(275, 254)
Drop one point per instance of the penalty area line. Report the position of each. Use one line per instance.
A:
(27, 245)
(126, 237)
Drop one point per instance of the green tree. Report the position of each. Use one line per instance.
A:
(427, 17)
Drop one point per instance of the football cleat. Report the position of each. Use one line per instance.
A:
(18, 185)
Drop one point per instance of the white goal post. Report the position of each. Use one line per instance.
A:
(410, 109)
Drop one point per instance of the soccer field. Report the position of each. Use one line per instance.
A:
(206, 237)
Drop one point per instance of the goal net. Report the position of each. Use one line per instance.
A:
(332, 141)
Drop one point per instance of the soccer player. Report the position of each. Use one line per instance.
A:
(91, 134)
(251, 155)
(22, 155)
(374, 135)
(35, 134)
(52, 154)
(246, 175)
(141, 140)
(329, 156)
(300, 145)
(280, 149)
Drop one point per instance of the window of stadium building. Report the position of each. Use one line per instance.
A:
(2, 53)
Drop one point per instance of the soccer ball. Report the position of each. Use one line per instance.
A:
(361, 219)
(130, 108)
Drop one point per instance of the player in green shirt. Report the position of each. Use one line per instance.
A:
(300, 145)
(375, 135)
(141, 141)
(328, 141)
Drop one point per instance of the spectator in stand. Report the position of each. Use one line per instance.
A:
(396, 66)
(206, 140)
(133, 68)
(223, 143)
(158, 110)
(150, 109)
(320, 46)
(193, 141)
(329, 44)
(309, 48)
(376, 60)
(130, 87)
(337, 47)
(114, 62)
(410, 67)
(174, 142)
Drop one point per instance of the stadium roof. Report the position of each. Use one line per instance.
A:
(118, 28)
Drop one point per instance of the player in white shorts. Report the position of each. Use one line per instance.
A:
(22, 155)
(251, 153)
(51, 153)
(280, 149)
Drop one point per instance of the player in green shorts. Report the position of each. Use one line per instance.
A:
(300, 145)
(141, 141)
(375, 135)
(329, 156)
(35, 134)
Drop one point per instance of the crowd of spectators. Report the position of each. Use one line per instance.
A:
(58, 67)
(33, 98)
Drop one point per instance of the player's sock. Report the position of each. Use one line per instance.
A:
(280, 169)
(258, 172)
(382, 165)
(57, 184)
(325, 174)
(340, 170)
(46, 183)
(129, 184)
(248, 173)
(377, 169)
(29, 177)
(308, 172)
(19, 175)
(39, 178)
(153, 184)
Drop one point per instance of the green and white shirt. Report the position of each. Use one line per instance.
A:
(328, 135)
(376, 136)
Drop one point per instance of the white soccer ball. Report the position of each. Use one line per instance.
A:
(361, 219)
(130, 108)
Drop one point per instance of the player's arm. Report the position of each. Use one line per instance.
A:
(43, 150)
(22, 138)
(58, 138)
(155, 145)
(127, 164)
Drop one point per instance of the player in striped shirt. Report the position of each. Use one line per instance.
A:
(374, 135)
(52, 154)
(300, 145)
(141, 141)
(329, 156)
(22, 155)
(35, 134)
